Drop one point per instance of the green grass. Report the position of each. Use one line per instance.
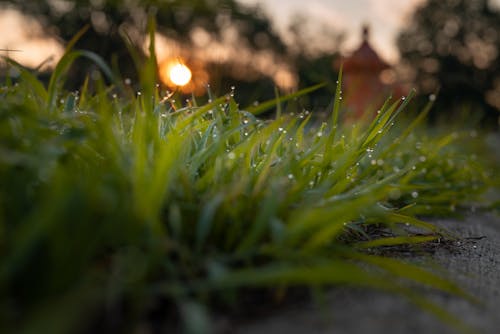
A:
(116, 205)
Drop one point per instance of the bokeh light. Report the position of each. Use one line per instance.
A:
(179, 74)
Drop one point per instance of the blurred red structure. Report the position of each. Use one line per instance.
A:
(367, 79)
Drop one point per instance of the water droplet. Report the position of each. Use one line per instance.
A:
(432, 97)
(403, 98)
(128, 82)
(414, 194)
(245, 121)
(290, 176)
(380, 162)
(280, 129)
(246, 134)
(139, 94)
(319, 134)
(378, 111)
(374, 162)
(422, 158)
(311, 183)
(231, 156)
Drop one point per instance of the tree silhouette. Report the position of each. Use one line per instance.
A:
(453, 46)
(176, 19)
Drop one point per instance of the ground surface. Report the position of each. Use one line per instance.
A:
(474, 263)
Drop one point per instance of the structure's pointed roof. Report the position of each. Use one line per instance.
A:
(365, 58)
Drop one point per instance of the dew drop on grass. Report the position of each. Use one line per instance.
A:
(432, 97)
(128, 81)
(280, 129)
(245, 121)
(290, 176)
(231, 156)
(374, 162)
(246, 134)
(414, 194)
(319, 134)
(403, 98)
(380, 162)
(422, 158)
(378, 112)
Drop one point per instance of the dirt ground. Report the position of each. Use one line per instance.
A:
(474, 264)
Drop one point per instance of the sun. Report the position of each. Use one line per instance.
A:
(179, 74)
(186, 76)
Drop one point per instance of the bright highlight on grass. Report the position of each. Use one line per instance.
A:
(179, 74)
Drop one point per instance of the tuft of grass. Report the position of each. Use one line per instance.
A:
(115, 206)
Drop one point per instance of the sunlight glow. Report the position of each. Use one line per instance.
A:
(179, 74)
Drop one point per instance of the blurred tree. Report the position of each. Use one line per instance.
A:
(453, 46)
(176, 19)
(313, 58)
